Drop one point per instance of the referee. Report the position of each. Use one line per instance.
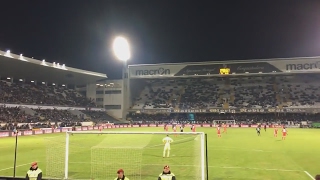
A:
(166, 174)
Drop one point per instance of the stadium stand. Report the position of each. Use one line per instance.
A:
(187, 93)
(22, 94)
(238, 92)
(30, 93)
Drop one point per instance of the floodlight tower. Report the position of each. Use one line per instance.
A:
(121, 49)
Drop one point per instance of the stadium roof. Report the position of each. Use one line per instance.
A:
(19, 67)
(230, 61)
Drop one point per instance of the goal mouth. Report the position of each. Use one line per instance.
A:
(98, 155)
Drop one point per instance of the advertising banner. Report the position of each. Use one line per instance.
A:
(4, 134)
(316, 125)
(26, 133)
(233, 110)
(38, 132)
(48, 131)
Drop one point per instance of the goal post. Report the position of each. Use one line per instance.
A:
(228, 122)
(140, 154)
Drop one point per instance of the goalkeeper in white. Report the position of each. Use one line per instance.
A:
(167, 141)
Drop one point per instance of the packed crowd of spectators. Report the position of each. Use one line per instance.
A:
(55, 115)
(15, 114)
(187, 93)
(231, 92)
(96, 115)
(29, 93)
(16, 117)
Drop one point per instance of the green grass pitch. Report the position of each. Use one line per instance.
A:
(240, 154)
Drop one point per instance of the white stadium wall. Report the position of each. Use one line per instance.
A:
(91, 91)
(113, 102)
(107, 94)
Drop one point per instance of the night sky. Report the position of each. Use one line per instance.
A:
(79, 33)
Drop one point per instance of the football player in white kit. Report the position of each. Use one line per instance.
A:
(167, 141)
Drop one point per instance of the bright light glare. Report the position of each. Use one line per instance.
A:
(121, 49)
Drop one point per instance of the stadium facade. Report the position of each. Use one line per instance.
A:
(264, 66)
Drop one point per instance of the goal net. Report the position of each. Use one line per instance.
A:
(98, 155)
(220, 122)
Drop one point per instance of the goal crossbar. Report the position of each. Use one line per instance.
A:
(202, 146)
(132, 132)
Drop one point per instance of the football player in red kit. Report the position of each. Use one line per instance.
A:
(218, 131)
(224, 128)
(165, 127)
(193, 128)
(275, 134)
(284, 133)
(175, 130)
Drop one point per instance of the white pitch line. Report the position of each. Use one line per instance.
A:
(222, 167)
(309, 175)
(13, 167)
(238, 149)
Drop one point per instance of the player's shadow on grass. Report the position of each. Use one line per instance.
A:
(153, 155)
(73, 174)
(228, 178)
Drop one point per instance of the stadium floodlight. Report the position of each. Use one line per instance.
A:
(105, 152)
(121, 48)
(8, 54)
(22, 58)
(44, 63)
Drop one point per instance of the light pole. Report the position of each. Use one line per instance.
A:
(121, 50)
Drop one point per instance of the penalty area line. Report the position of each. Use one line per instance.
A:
(309, 175)
(187, 165)
(16, 166)
(249, 168)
